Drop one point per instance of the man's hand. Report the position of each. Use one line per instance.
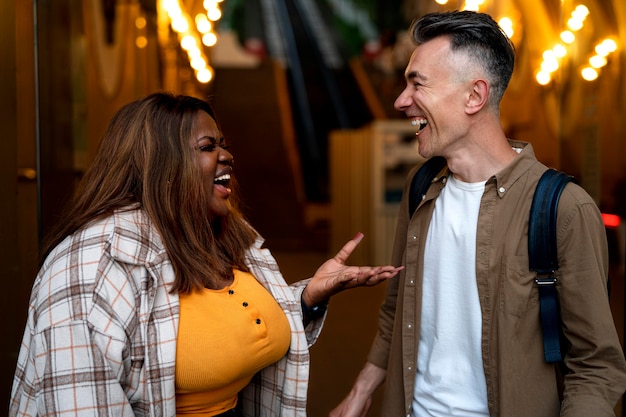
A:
(359, 400)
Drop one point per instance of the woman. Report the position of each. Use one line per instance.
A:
(155, 296)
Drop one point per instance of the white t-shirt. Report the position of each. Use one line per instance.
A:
(450, 378)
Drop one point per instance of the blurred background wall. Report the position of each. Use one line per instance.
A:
(304, 92)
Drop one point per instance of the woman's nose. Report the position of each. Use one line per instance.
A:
(225, 157)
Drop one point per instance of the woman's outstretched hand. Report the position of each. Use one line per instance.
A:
(334, 275)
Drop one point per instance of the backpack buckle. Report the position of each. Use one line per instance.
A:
(545, 278)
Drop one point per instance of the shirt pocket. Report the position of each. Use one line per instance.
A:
(518, 290)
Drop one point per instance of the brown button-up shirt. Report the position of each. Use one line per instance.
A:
(519, 382)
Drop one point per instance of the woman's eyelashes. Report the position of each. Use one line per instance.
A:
(210, 147)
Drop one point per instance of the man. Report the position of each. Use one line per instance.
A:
(459, 331)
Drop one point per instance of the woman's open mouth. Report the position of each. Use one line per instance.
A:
(222, 182)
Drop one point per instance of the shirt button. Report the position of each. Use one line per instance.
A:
(231, 292)
(410, 326)
(245, 304)
(410, 368)
(411, 282)
(413, 237)
(258, 321)
(502, 189)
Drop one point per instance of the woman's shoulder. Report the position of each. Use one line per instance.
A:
(134, 239)
(126, 236)
(83, 246)
(64, 286)
(72, 272)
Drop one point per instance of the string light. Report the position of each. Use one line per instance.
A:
(193, 34)
(603, 49)
(473, 5)
(507, 26)
(203, 24)
(550, 63)
(589, 74)
(552, 57)
(141, 41)
(568, 37)
(209, 39)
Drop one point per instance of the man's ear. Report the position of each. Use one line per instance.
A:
(478, 97)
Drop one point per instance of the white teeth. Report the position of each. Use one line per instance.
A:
(224, 177)
(420, 123)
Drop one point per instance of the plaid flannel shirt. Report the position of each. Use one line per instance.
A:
(100, 337)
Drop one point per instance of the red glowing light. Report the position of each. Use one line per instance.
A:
(611, 221)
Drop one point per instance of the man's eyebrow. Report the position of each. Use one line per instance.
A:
(414, 74)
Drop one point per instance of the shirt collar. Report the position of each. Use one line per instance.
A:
(517, 168)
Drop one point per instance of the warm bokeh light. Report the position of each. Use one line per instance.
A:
(589, 74)
(610, 44)
(580, 12)
(574, 24)
(603, 50)
(190, 36)
(187, 42)
(140, 22)
(606, 47)
(473, 5)
(204, 75)
(543, 77)
(559, 50)
(203, 24)
(553, 58)
(568, 37)
(549, 55)
(179, 24)
(597, 61)
(507, 26)
(141, 42)
(172, 7)
(209, 39)
(550, 65)
(194, 52)
(197, 63)
(214, 14)
(578, 16)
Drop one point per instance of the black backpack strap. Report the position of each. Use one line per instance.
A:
(422, 179)
(542, 253)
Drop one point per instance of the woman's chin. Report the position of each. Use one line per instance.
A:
(220, 211)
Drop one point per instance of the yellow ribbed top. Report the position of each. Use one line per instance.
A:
(224, 338)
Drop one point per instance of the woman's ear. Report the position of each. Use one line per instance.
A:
(478, 97)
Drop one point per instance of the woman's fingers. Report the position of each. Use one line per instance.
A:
(347, 249)
(369, 276)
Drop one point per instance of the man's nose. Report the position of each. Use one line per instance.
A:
(403, 100)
